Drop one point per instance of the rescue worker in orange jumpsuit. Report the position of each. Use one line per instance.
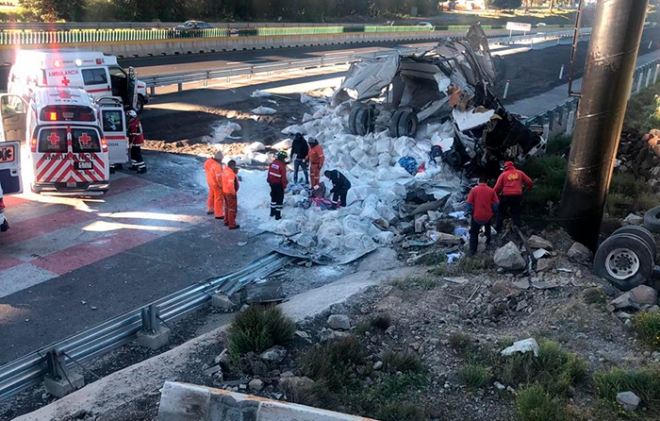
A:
(136, 140)
(214, 171)
(230, 190)
(316, 160)
(277, 181)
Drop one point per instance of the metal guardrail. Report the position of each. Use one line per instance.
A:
(30, 370)
(644, 76)
(226, 73)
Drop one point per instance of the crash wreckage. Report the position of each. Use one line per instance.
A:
(419, 128)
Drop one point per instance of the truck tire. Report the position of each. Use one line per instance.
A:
(351, 120)
(139, 106)
(652, 220)
(624, 260)
(642, 233)
(361, 121)
(404, 123)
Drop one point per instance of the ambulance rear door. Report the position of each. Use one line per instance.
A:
(114, 129)
(10, 168)
(12, 132)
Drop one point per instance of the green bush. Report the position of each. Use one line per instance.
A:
(594, 296)
(559, 146)
(460, 342)
(333, 363)
(536, 404)
(402, 412)
(257, 329)
(475, 376)
(644, 382)
(405, 362)
(647, 326)
(381, 321)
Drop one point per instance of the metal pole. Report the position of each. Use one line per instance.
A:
(649, 73)
(640, 76)
(615, 39)
(655, 77)
(561, 72)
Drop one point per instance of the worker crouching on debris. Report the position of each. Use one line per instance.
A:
(299, 151)
(214, 170)
(510, 187)
(316, 160)
(136, 140)
(340, 187)
(482, 203)
(230, 191)
(277, 181)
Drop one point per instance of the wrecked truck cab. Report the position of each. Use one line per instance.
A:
(450, 83)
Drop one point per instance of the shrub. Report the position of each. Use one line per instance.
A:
(647, 326)
(257, 329)
(460, 342)
(475, 376)
(405, 362)
(644, 382)
(381, 321)
(431, 259)
(402, 412)
(559, 146)
(536, 404)
(594, 296)
(333, 363)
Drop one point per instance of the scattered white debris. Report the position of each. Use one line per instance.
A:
(224, 131)
(524, 346)
(260, 94)
(261, 110)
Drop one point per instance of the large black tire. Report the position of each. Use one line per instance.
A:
(652, 220)
(624, 260)
(364, 121)
(642, 233)
(139, 107)
(404, 123)
(351, 120)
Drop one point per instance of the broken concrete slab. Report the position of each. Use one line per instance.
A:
(380, 259)
(633, 219)
(537, 242)
(624, 301)
(339, 321)
(222, 302)
(509, 257)
(521, 284)
(64, 386)
(543, 265)
(154, 340)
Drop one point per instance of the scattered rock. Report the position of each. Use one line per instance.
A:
(490, 310)
(499, 386)
(509, 257)
(256, 385)
(275, 354)
(633, 219)
(298, 383)
(644, 294)
(212, 370)
(537, 242)
(628, 400)
(287, 374)
(378, 365)
(543, 265)
(522, 305)
(653, 310)
(543, 285)
(624, 301)
(222, 302)
(339, 321)
(524, 346)
(521, 284)
(224, 359)
(579, 253)
(303, 334)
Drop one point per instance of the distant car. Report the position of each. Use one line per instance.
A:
(541, 24)
(427, 25)
(193, 24)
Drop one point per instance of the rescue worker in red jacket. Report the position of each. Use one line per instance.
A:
(230, 190)
(277, 181)
(510, 188)
(214, 171)
(482, 203)
(316, 160)
(136, 140)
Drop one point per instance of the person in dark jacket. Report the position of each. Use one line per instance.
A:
(340, 187)
(300, 149)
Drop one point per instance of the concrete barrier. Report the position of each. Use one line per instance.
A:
(206, 45)
(187, 402)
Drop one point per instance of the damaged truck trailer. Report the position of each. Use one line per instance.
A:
(450, 84)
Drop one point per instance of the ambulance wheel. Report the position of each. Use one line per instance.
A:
(119, 166)
(139, 106)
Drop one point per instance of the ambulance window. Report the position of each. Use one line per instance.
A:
(11, 106)
(95, 76)
(52, 140)
(112, 121)
(85, 140)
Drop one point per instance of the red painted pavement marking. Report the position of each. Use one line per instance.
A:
(7, 262)
(85, 254)
(125, 184)
(41, 225)
(11, 201)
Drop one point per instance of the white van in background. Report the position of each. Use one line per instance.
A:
(97, 73)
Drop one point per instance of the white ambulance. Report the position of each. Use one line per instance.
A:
(68, 153)
(97, 73)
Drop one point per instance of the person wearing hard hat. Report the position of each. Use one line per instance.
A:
(136, 140)
(230, 191)
(214, 176)
(316, 160)
(277, 181)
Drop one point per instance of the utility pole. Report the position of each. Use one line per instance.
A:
(611, 58)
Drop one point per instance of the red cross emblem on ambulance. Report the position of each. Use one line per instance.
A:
(85, 139)
(65, 81)
(54, 139)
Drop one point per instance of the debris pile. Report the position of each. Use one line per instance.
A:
(641, 298)
(639, 154)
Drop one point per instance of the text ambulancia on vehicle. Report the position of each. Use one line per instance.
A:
(68, 151)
